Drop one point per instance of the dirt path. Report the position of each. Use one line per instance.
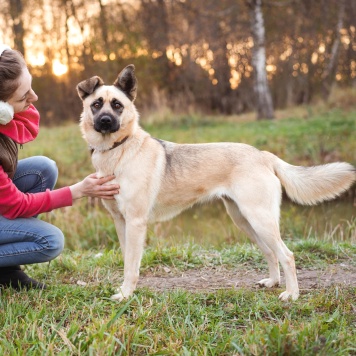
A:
(210, 279)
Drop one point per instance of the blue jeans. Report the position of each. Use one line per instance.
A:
(30, 240)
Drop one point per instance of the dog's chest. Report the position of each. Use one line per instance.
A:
(104, 163)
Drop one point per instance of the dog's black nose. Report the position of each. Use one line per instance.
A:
(106, 123)
(106, 120)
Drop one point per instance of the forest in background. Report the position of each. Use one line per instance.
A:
(190, 55)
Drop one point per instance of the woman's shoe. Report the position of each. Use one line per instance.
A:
(16, 278)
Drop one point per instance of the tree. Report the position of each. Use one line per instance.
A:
(155, 22)
(16, 10)
(190, 55)
(330, 71)
(264, 102)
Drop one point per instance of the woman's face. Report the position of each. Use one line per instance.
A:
(24, 94)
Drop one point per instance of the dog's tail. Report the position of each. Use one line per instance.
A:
(312, 185)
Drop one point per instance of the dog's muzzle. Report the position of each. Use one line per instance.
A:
(106, 123)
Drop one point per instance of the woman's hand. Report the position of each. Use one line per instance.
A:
(95, 187)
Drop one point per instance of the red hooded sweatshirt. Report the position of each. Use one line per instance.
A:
(13, 203)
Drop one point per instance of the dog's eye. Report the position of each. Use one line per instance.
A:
(96, 105)
(117, 105)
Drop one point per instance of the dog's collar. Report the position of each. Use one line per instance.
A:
(116, 144)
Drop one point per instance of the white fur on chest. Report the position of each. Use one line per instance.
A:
(105, 163)
(137, 173)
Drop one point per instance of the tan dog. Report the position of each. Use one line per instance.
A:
(159, 179)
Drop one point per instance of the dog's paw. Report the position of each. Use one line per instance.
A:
(120, 295)
(268, 282)
(289, 295)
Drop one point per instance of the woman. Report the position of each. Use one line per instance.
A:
(26, 185)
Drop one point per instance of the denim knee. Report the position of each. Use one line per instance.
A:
(35, 174)
(49, 171)
(55, 244)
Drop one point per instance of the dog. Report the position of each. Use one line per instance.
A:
(160, 179)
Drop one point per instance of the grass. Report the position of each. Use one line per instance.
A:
(70, 319)
(76, 317)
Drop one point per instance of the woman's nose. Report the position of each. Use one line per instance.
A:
(33, 96)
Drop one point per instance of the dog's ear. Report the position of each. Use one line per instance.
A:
(87, 87)
(127, 82)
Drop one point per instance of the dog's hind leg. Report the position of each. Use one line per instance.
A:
(273, 265)
(259, 199)
(267, 229)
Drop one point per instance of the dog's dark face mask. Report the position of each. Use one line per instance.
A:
(106, 115)
(105, 108)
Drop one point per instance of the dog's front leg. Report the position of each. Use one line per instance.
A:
(119, 221)
(135, 235)
(120, 225)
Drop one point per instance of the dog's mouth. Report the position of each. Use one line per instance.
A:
(106, 123)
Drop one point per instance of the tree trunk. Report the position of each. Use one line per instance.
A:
(262, 93)
(16, 10)
(104, 27)
(154, 16)
(330, 71)
(67, 6)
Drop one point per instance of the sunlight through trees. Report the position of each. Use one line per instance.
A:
(200, 55)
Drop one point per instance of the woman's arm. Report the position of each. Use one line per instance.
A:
(14, 203)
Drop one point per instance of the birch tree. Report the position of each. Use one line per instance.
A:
(329, 73)
(262, 92)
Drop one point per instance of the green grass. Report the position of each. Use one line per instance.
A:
(73, 319)
(69, 319)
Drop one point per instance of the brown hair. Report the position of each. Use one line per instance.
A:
(12, 63)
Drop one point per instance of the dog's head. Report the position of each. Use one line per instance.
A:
(109, 109)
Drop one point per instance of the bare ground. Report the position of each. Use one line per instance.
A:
(211, 279)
